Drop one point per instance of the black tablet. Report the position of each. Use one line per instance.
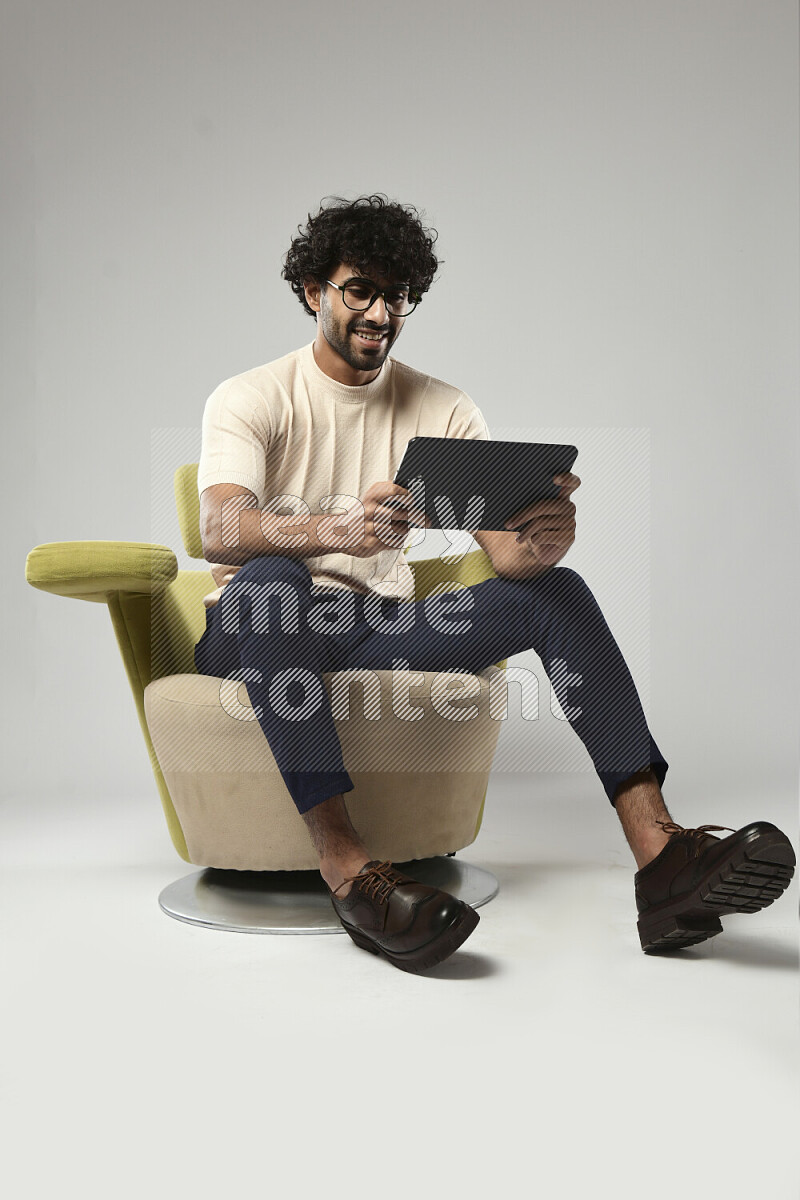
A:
(467, 483)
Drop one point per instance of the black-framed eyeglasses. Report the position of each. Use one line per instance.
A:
(361, 294)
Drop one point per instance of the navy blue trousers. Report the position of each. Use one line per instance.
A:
(277, 632)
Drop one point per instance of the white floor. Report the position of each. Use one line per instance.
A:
(148, 1058)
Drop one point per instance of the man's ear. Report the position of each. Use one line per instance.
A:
(313, 291)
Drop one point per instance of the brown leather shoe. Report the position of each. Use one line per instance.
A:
(697, 878)
(411, 924)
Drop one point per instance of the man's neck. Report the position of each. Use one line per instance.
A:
(333, 365)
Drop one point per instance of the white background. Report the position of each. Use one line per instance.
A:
(615, 187)
(615, 183)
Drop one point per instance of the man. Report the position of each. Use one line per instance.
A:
(296, 499)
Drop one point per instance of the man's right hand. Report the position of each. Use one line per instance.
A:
(380, 520)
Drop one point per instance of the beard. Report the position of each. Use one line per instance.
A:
(338, 335)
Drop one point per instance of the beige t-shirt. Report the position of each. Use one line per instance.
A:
(288, 430)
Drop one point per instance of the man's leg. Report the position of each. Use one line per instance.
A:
(259, 632)
(341, 851)
(273, 633)
(262, 629)
(556, 615)
(687, 878)
(640, 806)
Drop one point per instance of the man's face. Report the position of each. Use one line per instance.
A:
(362, 339)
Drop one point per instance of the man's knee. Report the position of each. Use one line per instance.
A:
(568, 580)
(265, 584)
(562, 585)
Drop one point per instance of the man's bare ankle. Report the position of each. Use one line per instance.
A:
(648, 848)
(336, 871)
(640, 807)
(341, 851)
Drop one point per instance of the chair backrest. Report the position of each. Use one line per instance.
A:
(187, 502)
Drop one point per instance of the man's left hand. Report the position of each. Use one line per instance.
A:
(548, 527)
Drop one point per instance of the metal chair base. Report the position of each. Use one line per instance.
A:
(299, 901)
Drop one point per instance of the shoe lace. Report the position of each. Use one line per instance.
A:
(378, 882)
(672, 827)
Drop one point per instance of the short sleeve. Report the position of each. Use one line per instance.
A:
(236, 438)
(467, 421)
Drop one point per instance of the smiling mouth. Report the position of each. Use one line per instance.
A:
(371, 338)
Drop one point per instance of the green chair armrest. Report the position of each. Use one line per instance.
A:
(94, 570)
(430, 573)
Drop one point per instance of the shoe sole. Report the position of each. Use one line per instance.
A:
(429, 955)
(758, 870)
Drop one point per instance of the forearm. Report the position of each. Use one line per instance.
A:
(253, 534)
(520, 563)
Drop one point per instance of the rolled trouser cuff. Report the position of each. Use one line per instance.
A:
(611, 780)
(310, 788)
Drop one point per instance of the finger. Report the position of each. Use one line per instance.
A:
(539, 528)
(544, 535)
(567, 482)
(525, 514)
(390, 527)
(398, 508)
(543, 508)
(393, 512)
(382, 491)
(551, 537)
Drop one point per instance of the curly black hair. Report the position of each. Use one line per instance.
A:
(370, 233)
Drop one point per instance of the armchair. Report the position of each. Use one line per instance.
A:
(420, 785)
